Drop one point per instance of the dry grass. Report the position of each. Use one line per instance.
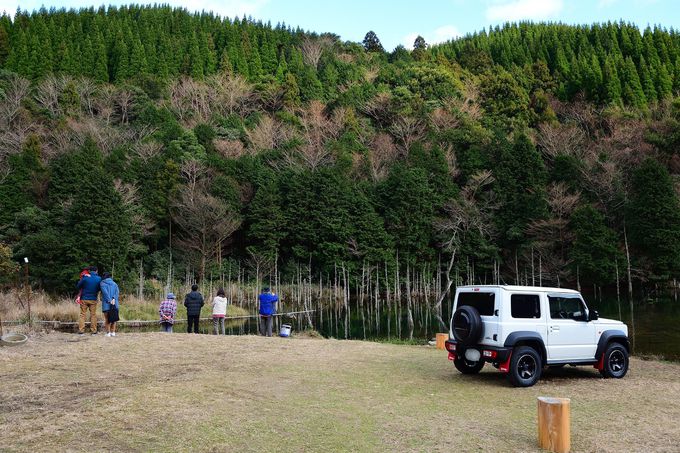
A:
(155, 392)
(45, 308)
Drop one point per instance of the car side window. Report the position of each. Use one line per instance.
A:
(525, 306)
(566, 308)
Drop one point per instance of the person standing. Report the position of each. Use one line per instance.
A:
(89, 291)
(110, 304)
(219, 310)
(167, 311)
(194, 302)
(268, 302)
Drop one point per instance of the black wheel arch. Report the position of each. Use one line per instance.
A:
(527, 338)
(609, 336)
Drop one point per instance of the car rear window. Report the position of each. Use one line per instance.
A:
(483, 302)
(525, 306)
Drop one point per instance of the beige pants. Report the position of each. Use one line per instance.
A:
(84, 306)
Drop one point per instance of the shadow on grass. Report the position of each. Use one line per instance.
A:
(492, 377)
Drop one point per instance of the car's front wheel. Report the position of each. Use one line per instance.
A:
(615, 362)
(466, 366)
(525, 367)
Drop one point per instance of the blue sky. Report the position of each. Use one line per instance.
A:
(400, 21)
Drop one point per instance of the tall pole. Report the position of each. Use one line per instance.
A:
(27, 288)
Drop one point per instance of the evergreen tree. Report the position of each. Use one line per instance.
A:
(593, 250)
(632, 92)
(653, 219)
(371, 42)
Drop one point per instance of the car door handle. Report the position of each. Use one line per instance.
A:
(554, 328)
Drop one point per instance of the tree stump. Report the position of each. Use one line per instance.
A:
(554, 424)
(441, 339)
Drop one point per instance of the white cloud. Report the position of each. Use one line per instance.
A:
(230, 8)
(445, 33)
(441, 34)
(515, 10)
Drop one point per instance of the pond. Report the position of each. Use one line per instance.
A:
(656, 330)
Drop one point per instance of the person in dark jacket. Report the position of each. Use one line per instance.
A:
(110, 303)
(268, 302)
(89, 286)
(194, 302)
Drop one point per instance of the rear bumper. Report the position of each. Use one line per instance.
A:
(491, 354)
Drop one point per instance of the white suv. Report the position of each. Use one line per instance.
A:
(521, 329)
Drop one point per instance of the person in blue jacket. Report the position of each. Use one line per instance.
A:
(110, 304)
(268, 302)
(89, 284)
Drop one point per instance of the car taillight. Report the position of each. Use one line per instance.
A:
(490, 354)
(451, 347)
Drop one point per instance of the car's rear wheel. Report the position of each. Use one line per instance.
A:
(525, 366)
(466, 366)
(615, 361)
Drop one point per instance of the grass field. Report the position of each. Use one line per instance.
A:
(179, 392)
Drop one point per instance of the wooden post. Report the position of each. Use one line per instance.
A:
(554, 424)
(441, 339)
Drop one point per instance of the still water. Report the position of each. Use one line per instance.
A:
(655, 331)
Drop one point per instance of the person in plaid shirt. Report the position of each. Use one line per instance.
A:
(168, 310)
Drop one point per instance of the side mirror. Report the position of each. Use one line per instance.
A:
(594, 315)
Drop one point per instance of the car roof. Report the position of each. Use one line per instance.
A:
(542, 289)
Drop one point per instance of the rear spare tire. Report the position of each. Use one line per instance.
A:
(467, 325)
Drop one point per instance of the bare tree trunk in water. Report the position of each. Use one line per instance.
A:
(447, 288)
(389, 304)
(409, 302)
(630, 291)
(140, 288)
(345, 300)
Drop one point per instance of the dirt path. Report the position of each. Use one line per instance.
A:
(155, 392)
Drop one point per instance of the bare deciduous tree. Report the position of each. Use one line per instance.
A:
(382, 152)
(268, 134)
(317, 130)
(206, 222)
(561, 140)
(407, 130)
(124, 103)
(235, 94)
(148, 150)
(471, 212)
(551, 235)
(47, 94)
(10, 106)
(378, 108)
(311, 49)
(87, 91)
(442, 120)
(231, 149)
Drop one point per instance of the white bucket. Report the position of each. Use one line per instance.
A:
(285, 330)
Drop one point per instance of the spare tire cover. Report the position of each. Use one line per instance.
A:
(467, 325)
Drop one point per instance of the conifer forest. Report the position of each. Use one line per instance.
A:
(168, 146)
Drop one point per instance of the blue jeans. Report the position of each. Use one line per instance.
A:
(166, 327)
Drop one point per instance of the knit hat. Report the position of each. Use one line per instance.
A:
(171, 296)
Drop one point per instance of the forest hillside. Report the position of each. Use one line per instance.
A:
(154, 141)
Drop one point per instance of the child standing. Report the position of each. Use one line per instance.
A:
(167, 311)
(84, 273)
(219, 310)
